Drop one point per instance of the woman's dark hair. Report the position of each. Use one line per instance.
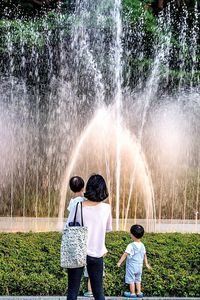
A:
(137, 231)
(96, 189)
(76, 184)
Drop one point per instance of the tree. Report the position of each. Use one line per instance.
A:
(40, 2)
(160, 4)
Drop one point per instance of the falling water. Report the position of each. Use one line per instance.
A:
(183, 45)
(162, 50)
(25, 113)
(11, 75)
(118, 98)
(97, 134)
(116, 72)
(194, 42)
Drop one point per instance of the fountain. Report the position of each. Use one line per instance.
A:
(99, 141)
(88, 92)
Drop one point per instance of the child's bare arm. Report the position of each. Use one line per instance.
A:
(146, 262)
(123, 257)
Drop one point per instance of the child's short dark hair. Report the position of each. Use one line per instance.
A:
(96, 189)
(137, 231)
(76, 184)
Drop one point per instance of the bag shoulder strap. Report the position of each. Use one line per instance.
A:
(74, 222)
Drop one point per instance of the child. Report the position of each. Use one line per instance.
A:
(89, 293)
(134, 255)
(76, 184)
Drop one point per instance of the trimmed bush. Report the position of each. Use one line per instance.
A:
(30, 265)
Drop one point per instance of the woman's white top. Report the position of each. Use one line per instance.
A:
(98, 220)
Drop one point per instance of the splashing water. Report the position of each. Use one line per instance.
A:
(99, 142)
(139, 127)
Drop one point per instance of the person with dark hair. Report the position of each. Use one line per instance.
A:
(76, 185)
(135, 255)
(97, 218)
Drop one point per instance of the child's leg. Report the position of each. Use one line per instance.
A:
(132, 288)
(88, 293)
(138, 287)
(138, 278)
(89, 285)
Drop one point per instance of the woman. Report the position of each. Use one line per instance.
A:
(97, 218)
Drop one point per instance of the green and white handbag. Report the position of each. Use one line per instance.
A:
(73, 250)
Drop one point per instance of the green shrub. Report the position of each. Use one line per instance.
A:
(30, 264)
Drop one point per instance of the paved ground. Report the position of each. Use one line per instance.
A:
(84, 298)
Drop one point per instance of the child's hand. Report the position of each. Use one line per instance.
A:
(148, 266)
(118, 264)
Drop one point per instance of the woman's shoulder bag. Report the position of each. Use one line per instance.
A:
(74, 243)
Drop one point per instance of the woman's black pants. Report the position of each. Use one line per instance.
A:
(95, 272)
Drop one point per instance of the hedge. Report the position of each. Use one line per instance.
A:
(29, 265)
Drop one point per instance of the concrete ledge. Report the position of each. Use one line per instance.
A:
(27, 224)
(90, 298)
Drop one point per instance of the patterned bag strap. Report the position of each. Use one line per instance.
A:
(74, 222)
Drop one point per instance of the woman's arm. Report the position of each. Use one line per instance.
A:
(122, 259)
(109, 221)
